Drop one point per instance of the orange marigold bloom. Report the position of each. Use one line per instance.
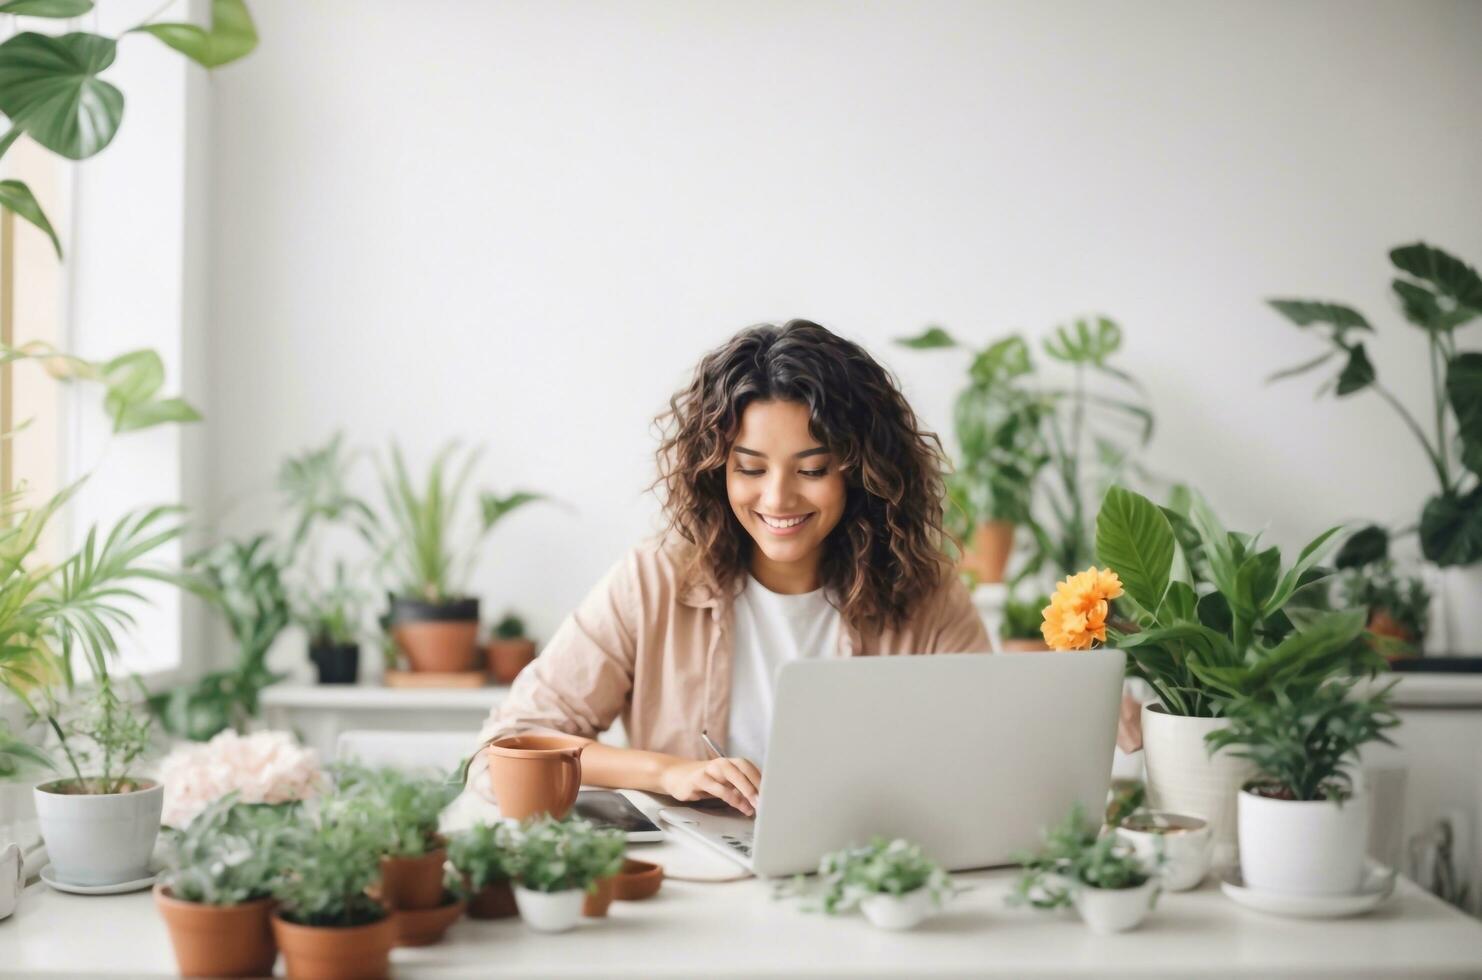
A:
(1077, 611)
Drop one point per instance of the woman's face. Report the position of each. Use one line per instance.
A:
(784, 487)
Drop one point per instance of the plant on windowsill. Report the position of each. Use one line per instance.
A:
(1304, 823)
(560, 863)
(215, 889)
(486, 855)
(1101, 876)
(509, 649)
(1397, 606)
(893, 883)
(429, 545)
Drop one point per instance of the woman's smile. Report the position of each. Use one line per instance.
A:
(791, 524)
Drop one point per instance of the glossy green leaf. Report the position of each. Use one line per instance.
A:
(46, 8)
(1426, 310)
(1085, 341)
(1451, 528)
(49, 86)
(231, 35)
(1004, 359)
(133, 381)
(1363, 547)
(1305, 312)
(1135, 540)
(1464, 391)
(1357, 374)
(932, 338)
(16, 196)
(1450, 276)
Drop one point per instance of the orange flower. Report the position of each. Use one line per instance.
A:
(1077, 611)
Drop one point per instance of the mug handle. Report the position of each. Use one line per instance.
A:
(572, 762)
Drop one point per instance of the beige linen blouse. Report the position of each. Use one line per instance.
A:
(652, 645)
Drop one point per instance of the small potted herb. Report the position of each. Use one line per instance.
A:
(1303, 822)
(486, 856)
(215, 891)
(1397, 606)
(893, 883)
(333, 615)
(326, 924)
(1101, 876)
(509, 650)
(561, 862)
(412, 851)
(100, 827)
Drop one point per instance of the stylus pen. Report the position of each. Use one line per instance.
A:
(714, 749)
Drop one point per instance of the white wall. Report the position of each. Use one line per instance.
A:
(522, 223)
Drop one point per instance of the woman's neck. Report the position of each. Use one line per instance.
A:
(786, 578)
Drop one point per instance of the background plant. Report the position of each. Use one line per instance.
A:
(1302, 742)
(230, 853)
(1073, 857)
(896, 867)
(101, 737)
(487, 853)
(1378, 588)
(1022, 618)
(335, 858)
(1439, 294)
(509, 627)
(409, 805)
(560, 855)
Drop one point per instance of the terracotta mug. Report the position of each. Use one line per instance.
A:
(535, 774)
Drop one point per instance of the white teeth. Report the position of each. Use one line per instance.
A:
(780, 524)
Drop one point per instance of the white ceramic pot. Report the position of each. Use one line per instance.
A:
(550, 911)
(898, 911)
(1301, 847)
(1109, 910)
(102, 839)
(1182, 844)
(1182, 777)
(1456, 618)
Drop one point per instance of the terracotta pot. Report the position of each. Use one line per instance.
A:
(506, 658)
(987, 554)
(439, 647)
(597, 902)
(496, 901)
(638, 880)
(219, 940)
(1023, 644)
(423, 927)
(534, 774)
(336, 953)
(413, 882)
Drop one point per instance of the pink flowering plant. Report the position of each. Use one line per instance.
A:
(263, 767)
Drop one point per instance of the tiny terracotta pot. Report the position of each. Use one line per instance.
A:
(496, 901)
(337, 953)
(423, 927)
(596, 903)
(638, 880)
(1023, 644)
(987, 554)
(535, 774)
(506, 658)
(219, 940)
(410, 883)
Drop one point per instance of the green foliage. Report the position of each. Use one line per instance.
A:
(102, 736)
(231, 35)
(1022, 618)
(1073, 857)
(1126, 799)
(1255, 628)
(229, 854)
(487, 853)
(882, 867)
(408, 805)
(560, 855)
(1302, 741)
(131, 384)
(332, 615)
(1437, 293)
(509, 627)
(334, 859)
(1377, 588)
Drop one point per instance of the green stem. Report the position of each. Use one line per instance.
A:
(1438, 394)
(1436, 461)
(71, 759)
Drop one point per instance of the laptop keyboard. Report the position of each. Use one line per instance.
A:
(741, 845)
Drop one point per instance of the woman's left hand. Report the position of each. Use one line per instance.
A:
(1129, 724)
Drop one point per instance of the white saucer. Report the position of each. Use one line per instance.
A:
(138, 884)
(1378, 885)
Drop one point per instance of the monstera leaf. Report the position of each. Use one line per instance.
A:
(49, 87)
(231, 36)
(1451, 528)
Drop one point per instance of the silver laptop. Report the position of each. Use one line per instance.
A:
(969, 755)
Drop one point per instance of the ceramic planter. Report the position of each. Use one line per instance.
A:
(506, 658)
(336, 952)
(550, 911)
(413, 882)
(1303, 847)
(1182, 777)
(597, 902)
(99, 839)
(336, 663)
(987, 554)
(438, 637)
(1458, 611)
(495, 901)
(1184, 843)
(219, 940)
(1109, 910)
(898, 912)
(423, 927)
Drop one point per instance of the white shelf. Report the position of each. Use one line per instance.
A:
(1424, 690)
(368, 697)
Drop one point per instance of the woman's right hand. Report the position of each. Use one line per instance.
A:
(737, 781)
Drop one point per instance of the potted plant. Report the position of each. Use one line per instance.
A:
(430, 548)
(1100, 875)
(486, 855)
(1397, 606)
(412, 851)
(1021, 632)
(332, 616)
(100, 823)
(1198, 650)
(893, 883)
(1304, 824)
(326, 923)
(1438, 293)
(215, 890)
(560, 862)
(267, 767)
(509, 650)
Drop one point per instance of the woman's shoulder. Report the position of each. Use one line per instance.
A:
(662, 566)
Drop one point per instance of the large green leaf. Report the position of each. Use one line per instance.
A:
(16, 196)
(1363, 547)
(1135, 540)
(1305, 312)
(934, 337)
(133, 380)
(493, 508)
(1425, 309)
(1451, 528)
(1464, 389)
(46, 8)
(231, 36)
(49, 86)
(1007, 358)
(1357, 374)
(1085, 341)
(1450, 276)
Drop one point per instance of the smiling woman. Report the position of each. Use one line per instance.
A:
(804, 507)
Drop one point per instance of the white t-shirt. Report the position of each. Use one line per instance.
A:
(770, 629)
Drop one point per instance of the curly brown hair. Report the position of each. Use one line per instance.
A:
(885, 556)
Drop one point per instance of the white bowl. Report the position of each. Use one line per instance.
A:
(1109, 910)
(550, 911)
(898, 911)
(1184, 842)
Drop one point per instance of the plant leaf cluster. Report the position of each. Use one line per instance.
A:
(229, 853)
(881, 867)
(486, 853)
(1074, 856)
(560, 855)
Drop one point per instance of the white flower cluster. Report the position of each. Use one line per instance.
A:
(264, 767)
